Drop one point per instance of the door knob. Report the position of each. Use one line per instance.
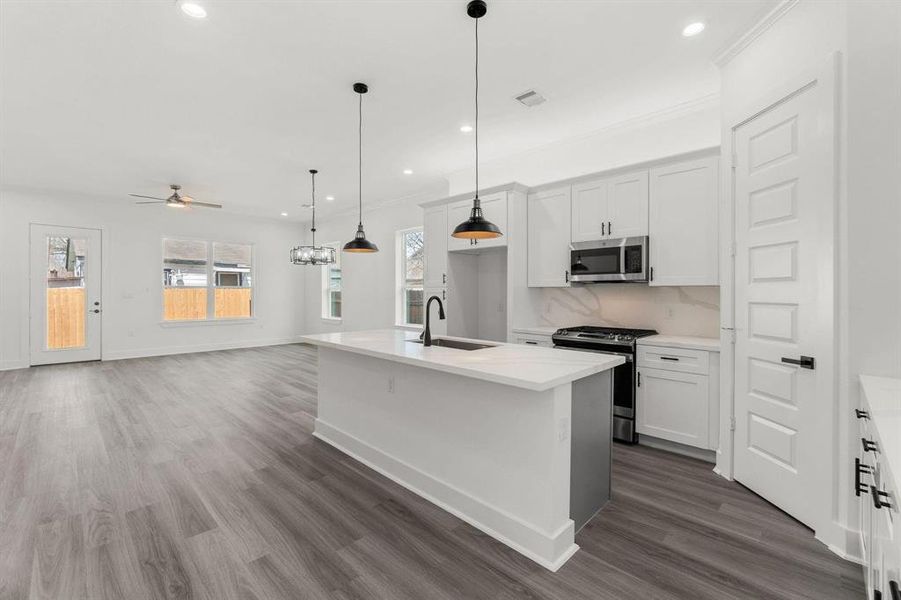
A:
(805, 362)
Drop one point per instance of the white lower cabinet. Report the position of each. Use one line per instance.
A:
(533, 340)
(673, 406)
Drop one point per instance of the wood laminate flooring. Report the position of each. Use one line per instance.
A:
(196, 476)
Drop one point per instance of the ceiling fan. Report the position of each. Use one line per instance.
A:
(176, 200)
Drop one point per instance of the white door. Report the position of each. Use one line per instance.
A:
(435, 236)
(589, 211)
(548, 238)
(627, 205)
(784, 207)
(683, 224)
(65, 294)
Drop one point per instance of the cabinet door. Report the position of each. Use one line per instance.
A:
(589, 211)
(673, 406)
(494, 208)
(683, 224)
(456, 214)
(434, 237)
(548, 237)
(627, 205)
(436, 325)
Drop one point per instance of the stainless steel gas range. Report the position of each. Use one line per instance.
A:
(611, 340)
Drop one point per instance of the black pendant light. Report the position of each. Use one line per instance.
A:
(313, 254)
(477, 227)
(360, 243)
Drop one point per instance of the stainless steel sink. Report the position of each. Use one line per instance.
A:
(458, 344)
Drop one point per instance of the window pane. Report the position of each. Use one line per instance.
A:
(413, 253)
(232, 270)
(335, 304)
(413, 306)
(184, 280)
(65, 292)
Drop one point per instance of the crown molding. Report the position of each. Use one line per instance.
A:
(725, 55)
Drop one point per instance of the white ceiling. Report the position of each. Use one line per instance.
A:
(128, 96)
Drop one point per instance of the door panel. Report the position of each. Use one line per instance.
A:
(548, 237)
(673, 406)
(783, 264)
(589, 211)
(435, 237)
(65, 294)
(627, 205)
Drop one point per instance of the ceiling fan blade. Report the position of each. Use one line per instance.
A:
(152, 202)
(151, 197)
(204, 204)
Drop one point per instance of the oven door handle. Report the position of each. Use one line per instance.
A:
(629, 357)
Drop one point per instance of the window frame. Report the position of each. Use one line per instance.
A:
(400, 277)
(211, 286)
(325, 290)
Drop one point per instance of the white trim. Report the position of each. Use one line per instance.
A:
(11, 365)
(206, 322)
(547, 548)
(190, 349)
(724, 56)
(331, 319)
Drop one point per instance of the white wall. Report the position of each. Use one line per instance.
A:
(132, 279)
(866, 34)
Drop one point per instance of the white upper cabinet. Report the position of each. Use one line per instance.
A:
(627, 205)
(494, 209)
(548, 237)
(610, 208)
(684, 228)
(435, 236)
(589, 210)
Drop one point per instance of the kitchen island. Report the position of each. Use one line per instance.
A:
(513, 439)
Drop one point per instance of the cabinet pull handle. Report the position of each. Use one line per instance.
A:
(860, 468)
(444, 278)
(639, 379)
(868, 445)
(669, 358)
(444, 294)
(566, 274)
(602, 228)
(531, 343)
(609, 228)
(878, 496)
(862, 414)
(895, 589)
(652, 274)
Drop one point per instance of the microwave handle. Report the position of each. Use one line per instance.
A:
(602, 228)
(651, 273)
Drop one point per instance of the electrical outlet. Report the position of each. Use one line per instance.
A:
(391, 385)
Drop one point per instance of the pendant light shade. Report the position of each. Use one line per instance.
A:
(477, 227)
(360, 243)
(313, 254)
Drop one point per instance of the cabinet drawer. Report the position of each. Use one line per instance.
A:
(674, 359)
(533, 340)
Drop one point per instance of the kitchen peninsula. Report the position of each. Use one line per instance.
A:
(513, 439)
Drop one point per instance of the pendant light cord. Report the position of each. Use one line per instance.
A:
(360, 162)
(476, 201)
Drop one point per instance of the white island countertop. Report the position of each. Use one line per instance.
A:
(529, 367)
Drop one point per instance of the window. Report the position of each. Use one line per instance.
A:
(331, 287)
(195, 287)
(409, 276)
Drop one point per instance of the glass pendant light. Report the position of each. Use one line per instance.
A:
(313, 254)
(360, 243)
(477, 227)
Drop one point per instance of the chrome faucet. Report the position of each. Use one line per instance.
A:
(426, 335)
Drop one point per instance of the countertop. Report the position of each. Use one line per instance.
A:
(682, 341)
(536, 330)
(882, 396)
(530, 367)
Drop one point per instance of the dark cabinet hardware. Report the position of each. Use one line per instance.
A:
(566, 274)
(868, 445)
(609, 228)
(531, 343)
(651, 278)
(638, 384)
(602, 228)
(444, 278)
(880, 498)
(96, 310)
(895, 589)
(861, 414)
(877, 595)
(859, 469)
(805, 362)
(96, 304)
(669, 358)
(444, 294)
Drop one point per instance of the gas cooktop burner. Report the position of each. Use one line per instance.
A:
(616, 334)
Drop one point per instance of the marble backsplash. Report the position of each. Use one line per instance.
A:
(691, 310)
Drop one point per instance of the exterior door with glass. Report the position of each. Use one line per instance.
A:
(65, 294)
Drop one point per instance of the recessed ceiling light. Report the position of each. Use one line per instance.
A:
(192, 9)
(408, 171)
(329, 198)
(466, 128)
(284, 214)
(693, 29)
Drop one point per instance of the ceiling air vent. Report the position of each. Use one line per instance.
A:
(530, 98)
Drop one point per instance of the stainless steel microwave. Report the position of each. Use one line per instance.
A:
(613, 260)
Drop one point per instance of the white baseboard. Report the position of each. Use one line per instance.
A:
(677, 448)
(168, 350)
(549, 549)
(9, 365)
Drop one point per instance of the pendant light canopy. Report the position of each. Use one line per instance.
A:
(477, 227)
(313, 254)
(360, 243)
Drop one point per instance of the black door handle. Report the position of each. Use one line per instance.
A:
(878, 496)
(860, 468)
(805, 362)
